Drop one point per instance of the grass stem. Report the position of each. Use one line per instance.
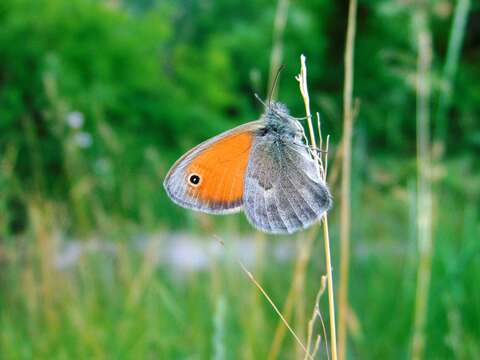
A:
(424, 191)
(269, 299)
(302, 79)
(455, 42)
(345, 205)
(276, 54)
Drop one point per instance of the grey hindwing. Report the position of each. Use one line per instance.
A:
(283, 191)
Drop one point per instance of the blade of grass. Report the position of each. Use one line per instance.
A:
(345, 206)
(276, 54)
(424, 197)
(302, 79)
(270, 301)
(316, 314)
(455, 42)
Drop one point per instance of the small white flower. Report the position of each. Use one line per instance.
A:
(83, 139)
(75, 119)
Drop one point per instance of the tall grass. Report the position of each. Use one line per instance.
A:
(276, 55)
(296, 289)
(95, 275)
(118, 299)
(457, 33)
(322, 169)
(426, 155)
(424, 180)
(345, 204)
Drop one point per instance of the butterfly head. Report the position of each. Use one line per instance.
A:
(279, 121)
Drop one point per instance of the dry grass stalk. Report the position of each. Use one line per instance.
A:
(345, 206)
(300, 268)
(317, 315)
(265, 294)
(455, 43)
(270, 301)
(276, 54)
(424, 191)
(302, 79)
(316, 309)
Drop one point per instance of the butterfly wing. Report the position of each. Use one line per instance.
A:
(283, 190)
(210, 177)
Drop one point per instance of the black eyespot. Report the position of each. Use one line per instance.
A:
(194, 179)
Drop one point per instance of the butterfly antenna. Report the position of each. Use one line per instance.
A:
(274, 84)
(260, 99)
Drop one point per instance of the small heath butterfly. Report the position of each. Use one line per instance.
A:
(263, 167)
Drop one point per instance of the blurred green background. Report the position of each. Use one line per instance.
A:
(98, 98)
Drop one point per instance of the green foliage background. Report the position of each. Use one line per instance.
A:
(152, 78)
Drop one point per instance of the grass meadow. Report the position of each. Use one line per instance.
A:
(97, 263)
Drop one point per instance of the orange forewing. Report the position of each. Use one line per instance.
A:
(221, 168)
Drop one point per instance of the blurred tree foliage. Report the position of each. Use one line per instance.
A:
(155, 77)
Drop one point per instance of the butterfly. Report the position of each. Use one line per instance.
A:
(263, 167)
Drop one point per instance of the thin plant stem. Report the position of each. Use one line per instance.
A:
(345, 205)
(299, 276)
(275, 308)
(302, 79)
(270, 301)
(331, 299)
(319, 129)
(455, 42)
(325, 162)
(424, 192)
(276, 54)
(316, 314)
